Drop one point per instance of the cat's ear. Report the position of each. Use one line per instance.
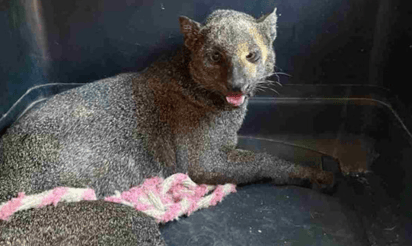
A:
(190, 29)
(269, 22)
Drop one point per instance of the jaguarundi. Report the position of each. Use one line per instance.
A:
(180, 115)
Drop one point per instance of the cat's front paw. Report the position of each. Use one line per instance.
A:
(326, 182)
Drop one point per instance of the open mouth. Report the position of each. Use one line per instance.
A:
(235, 99)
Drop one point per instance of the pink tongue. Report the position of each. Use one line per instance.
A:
(236, 100)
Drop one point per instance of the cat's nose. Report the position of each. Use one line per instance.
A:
(239, 87)
(238, 81)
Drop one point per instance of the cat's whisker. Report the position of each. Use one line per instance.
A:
(275, 82)
(282, 73)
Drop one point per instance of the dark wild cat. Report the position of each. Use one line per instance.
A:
(182, 114)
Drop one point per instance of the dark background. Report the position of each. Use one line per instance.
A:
(365, 42)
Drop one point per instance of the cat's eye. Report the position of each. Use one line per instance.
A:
(253, 57)
(215, 57)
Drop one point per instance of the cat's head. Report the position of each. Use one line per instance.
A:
(231, 53)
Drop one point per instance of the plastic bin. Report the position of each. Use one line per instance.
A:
(363, 130)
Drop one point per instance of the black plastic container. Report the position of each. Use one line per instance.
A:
(343, 106)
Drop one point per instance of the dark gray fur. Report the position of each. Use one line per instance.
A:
(83, 223)
(173, 117)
